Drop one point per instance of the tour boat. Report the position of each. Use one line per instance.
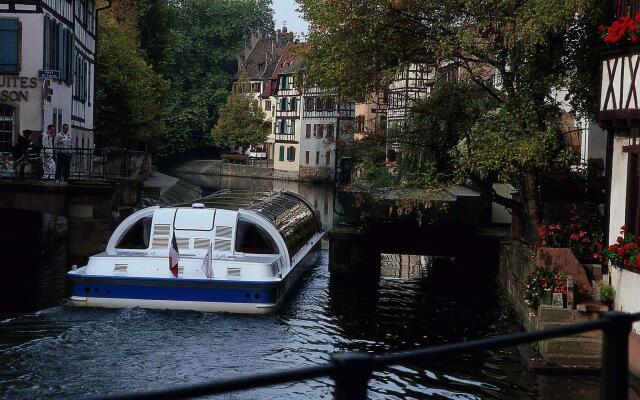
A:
(204, 259)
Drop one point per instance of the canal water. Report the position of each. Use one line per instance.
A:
(65, 352)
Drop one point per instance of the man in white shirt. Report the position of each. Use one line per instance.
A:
(63, 146)
(48, 147)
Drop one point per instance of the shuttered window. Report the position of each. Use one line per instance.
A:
(10, 39)
(281, 155)
(58, 48)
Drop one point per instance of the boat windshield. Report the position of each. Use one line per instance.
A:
(137, 237)
(250, 238)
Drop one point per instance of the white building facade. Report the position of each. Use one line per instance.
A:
(47, 56)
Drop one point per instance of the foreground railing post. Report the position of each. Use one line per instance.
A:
(615, 357)
(352, 375)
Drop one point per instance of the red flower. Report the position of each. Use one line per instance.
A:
(637, 17)
(619, 239)
(623, 228)
(600, 29)
(626, 262)
(634, 38)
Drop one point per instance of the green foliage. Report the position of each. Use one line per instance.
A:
(241, 122)
(193, 44)
(232, 157)
(205, 39)
(128, 91)
(154, 18)
(607, 293)
(429, 137)
(511, 132)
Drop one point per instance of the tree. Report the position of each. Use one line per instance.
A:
(128, 92)
(534, 46)
(154, 18)
(241, 122)
(205, 39)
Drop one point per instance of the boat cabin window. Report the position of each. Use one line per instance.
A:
(250, 238)
(137, 237)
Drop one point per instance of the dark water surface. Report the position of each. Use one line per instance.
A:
(67, 352)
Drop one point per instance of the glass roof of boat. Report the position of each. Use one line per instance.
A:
(231, 199)
(290, 214)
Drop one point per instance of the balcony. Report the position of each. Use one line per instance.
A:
(619, 91)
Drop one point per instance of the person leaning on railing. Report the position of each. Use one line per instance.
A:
(63, 153)
(34, 151)
(48, 147)
(19, 153)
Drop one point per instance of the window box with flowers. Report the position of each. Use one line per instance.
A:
(624, 30)
(623, 253)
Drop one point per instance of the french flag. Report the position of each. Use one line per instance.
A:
(174, 257)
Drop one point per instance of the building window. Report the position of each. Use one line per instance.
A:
(267, 105)
(360, 123)
(327, 158)
(255, 87)
(10, 39)
(80, 74)
(7, 126)
(306, 157)
(309, 103)
(293, 104)
(320, 131)
(632, 217)
(317, 157)
(329, 132)
(281, 155)
(57, 48)
(283, 104)
(284, 82)
(308, 133)
(291, 153)
(331, 104)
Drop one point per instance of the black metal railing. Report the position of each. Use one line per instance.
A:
(89, 164)
(352, 371)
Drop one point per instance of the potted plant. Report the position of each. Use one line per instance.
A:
(607, 294)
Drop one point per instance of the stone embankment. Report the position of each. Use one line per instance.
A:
(572, 352)
(217, 167)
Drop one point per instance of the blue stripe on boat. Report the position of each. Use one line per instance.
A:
(150, 290)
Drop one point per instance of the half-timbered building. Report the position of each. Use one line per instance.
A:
(256, 67)
(619, 114)
(47, 56)
(288, 94)
(325, 121)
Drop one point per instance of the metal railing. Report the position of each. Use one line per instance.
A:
(91, 164)
(615, 9)
(352, 371)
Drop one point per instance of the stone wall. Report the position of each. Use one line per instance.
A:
(217, 167)
(516, 261)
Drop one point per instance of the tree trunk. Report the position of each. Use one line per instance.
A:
(531, 200)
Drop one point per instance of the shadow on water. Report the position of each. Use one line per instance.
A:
(34, 262)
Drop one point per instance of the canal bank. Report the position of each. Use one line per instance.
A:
(581, 353)
(220, 168)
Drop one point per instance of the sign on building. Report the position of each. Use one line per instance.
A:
(49, 74)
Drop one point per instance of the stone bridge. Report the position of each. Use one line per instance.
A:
(88, 207)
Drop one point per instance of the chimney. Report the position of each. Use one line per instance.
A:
(284, 29)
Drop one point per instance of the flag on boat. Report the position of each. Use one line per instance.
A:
(174, 256)
(206, 264)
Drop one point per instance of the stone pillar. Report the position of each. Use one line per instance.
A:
(89, 228)
(353, 255)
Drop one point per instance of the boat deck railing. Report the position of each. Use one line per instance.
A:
(351, 372)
